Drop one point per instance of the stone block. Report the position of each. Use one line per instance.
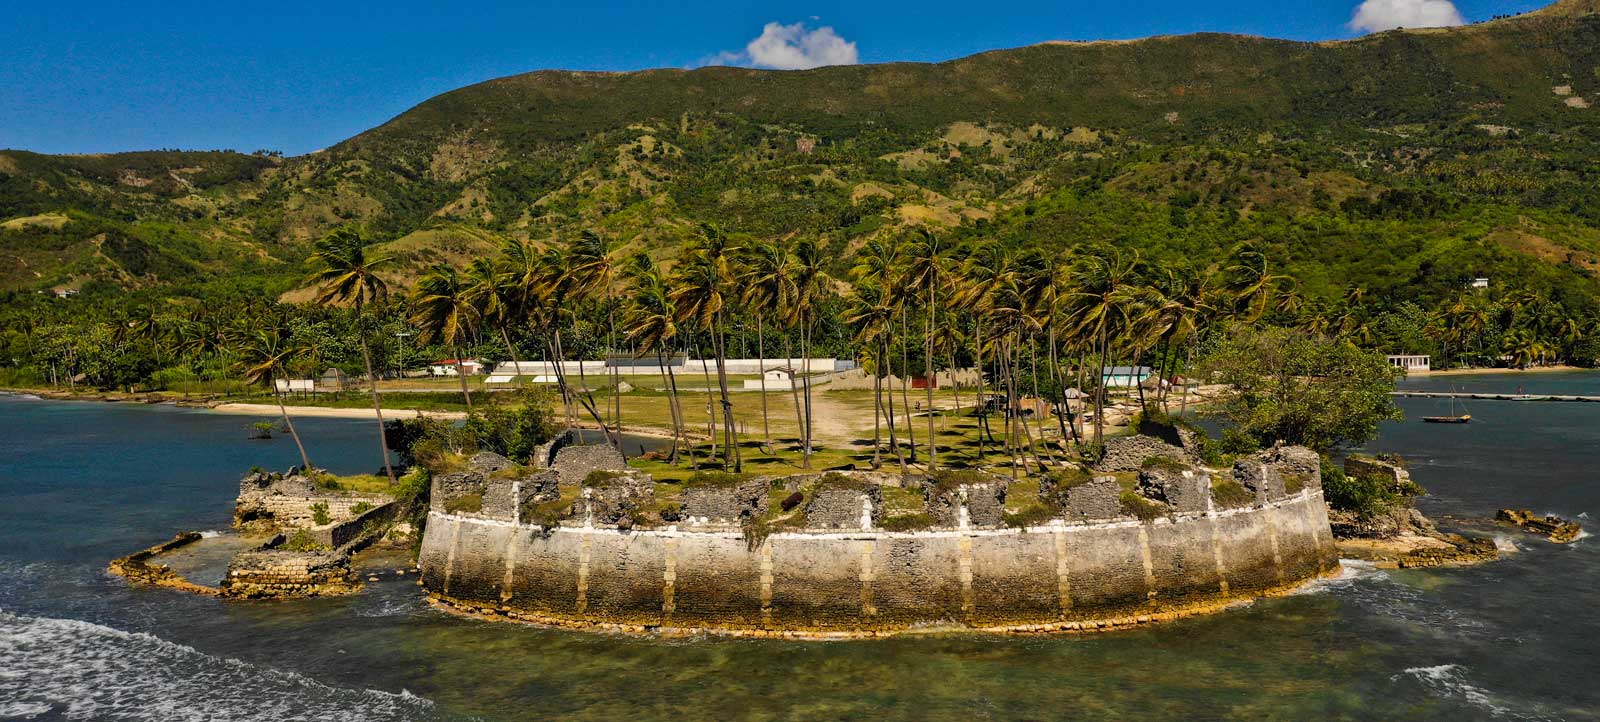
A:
(575, 463)
(985, 502)
(1185, 490)
(726, 503)
(1094, 500)
(609, 501)
(844, 505)
(1128, 453)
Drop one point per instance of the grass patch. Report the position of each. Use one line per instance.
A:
(1230, 494)
(355, 483)
(1294, 483)
(600, 476)
(951, 479)
(1132, 504)
(907, 522)
(716, 479)
(1032, 515)
(835, 480)
(900, 501)
(1163, 463)
(470, 503)
(550, 513)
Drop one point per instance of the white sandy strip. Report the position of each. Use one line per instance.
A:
(272, 410)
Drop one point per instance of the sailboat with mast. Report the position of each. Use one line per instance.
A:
(1453, 418)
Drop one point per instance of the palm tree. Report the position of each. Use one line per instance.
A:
(767, 275)
(593, 278)
(348, 277)
(444, 312)
(651, 320)
(872, 315)
(1101, 306)
(264, 356)
(699, 288)
(810, 292)
(928, 257)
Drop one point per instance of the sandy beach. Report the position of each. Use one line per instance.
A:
(325, 412)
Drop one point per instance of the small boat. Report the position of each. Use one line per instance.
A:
(1452, 419)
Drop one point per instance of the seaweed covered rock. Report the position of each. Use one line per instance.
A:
(1552, 527)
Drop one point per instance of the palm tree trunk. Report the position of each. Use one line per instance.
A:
(927, 381)
(877, 419)
(1100, 387)
(461, 375)
(794, 390)
(805, 379)
(761, 351)
(377, 408)
(888, 413)
(711, 416)
(905, 388)
(729, 431)
(289, 424)
(511, 349)
(672, 407)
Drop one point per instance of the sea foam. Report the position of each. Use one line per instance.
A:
(75, 670)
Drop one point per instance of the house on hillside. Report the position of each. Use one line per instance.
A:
(448, 367)
(1124, 377)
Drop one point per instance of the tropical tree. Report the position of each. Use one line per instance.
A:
(651, 321)
(264, 356)
(700, 286)
(443, 311)
(348, 277)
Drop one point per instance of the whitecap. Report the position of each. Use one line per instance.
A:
(1351, 571)
(1450, 680)
(211, 534)
(1504, 543)
(76, 670)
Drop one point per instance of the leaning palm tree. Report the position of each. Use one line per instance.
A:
(872, 315)
(443, 311)
(594, 276)
(1100, 311)
(264, 356)
(811, 286)
(348, 277)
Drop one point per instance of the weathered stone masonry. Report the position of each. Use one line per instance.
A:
(1066, 574)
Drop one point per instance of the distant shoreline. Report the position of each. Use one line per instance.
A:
(1471, 371)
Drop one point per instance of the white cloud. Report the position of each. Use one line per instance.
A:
(791, 47)
(1378, 15)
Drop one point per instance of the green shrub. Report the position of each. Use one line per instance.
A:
(470, 503)
(360, 508)
(949, 479)
(319, 513)
(716, 479)
(302, 542)
(550, 513)
(1365, 496)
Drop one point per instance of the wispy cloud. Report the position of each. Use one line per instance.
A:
(1378, 15)
(791, 47)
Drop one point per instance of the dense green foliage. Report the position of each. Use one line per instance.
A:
(1365, 496)
(1301, 389)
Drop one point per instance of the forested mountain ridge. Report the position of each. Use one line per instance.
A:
(1401, 163)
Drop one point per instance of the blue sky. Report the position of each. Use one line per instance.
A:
(99, 76)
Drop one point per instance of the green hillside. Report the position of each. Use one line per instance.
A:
(1402, 162)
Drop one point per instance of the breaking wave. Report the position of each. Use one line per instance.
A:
(74, 670)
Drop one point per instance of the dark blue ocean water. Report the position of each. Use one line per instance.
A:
(81, 483)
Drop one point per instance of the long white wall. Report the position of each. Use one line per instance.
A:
(647, 365)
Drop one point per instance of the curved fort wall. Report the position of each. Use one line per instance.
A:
(1061, 574)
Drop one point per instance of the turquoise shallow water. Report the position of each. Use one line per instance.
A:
(81, 483)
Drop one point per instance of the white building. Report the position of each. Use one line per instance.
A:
(1479, 282)
(448, 367)
(776, 378)
(1412, 364)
